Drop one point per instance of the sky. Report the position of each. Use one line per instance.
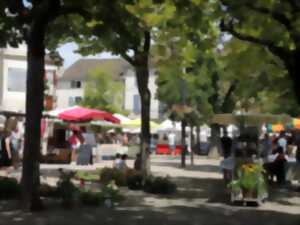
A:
(67, 53)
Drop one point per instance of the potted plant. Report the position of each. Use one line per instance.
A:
(250, 181)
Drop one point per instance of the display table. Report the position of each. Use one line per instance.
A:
(293, 171)
(163, 149)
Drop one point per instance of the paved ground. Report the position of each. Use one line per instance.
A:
(200, 200)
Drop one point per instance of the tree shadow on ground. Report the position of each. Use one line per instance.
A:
(149, 215)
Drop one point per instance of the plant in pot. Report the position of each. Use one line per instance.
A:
(250, 181)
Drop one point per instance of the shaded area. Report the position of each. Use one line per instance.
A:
(202, 167)
(123, 215)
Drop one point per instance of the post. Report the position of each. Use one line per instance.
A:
(192, 144)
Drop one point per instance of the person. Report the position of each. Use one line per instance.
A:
(282, 142)
(15, 139)
(266, 145)
(117, 161)
(123, 165)
(276, 165)
(75, 142)
(172, 142)
(138, 162)
(6, 150)
(153, 142)
(125, 139)
(226, 143)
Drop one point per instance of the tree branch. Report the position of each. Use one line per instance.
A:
(128, 59)
(147, 41)
(294, 4)
(279, 17)
(74, 10)
(276, 50)
(228, 95)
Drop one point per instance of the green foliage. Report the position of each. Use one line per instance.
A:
(67, 191)
(134, 180)
(103, 92)
(9, 188)
(112, 174)
(250, 177)
(46, 190)
(111, 193)
(88, 175)
(90, 198)
(159, 185)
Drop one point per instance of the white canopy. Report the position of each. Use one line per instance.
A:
(122, 118)
(169, 125)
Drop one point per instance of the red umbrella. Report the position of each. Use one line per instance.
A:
(80, 114)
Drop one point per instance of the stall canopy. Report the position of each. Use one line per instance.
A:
(169, 125)
(251, 119)
(122, 118)
(137, 123)
(81, 114)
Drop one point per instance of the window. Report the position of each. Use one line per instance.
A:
(75, 84)
(75, 100)
(78, 100)
(136, 104)
(16, 79)
(71, 101)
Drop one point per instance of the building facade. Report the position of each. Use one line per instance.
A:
(13, 67)
(71, 85)
(132, 102)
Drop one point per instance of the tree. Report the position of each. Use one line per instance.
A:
(125, 28)
(27, 21)
(271, 24)
(103, 92)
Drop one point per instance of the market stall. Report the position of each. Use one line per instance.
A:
(247, 174)
(60, 126)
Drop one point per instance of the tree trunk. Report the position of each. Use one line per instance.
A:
(34, 108)
(192, 145)
(293, 66)
(214, 151)
(198, 138)
(142, 76)
(183, 143)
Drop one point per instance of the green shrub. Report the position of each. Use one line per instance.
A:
(111, 192)
(111, 174)
(87, 176)
(9, 188)
(67, 191)
(159, 185)
(134, 180)
(91, 198)
(48, 191)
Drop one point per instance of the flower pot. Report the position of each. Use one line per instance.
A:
(249, 193)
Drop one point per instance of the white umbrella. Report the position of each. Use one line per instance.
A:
(122, 118)
(169, 125)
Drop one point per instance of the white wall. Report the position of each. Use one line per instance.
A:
(14, 101)
(131, 90)
(65, 92)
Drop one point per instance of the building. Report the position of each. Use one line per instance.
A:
(71, 85)
(13, 67)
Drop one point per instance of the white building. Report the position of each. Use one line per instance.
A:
(71, 85)
(13, 66)
(132, 101)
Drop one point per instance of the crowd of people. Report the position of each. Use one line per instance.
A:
(275, 151)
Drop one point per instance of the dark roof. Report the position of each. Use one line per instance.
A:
(81, 68)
